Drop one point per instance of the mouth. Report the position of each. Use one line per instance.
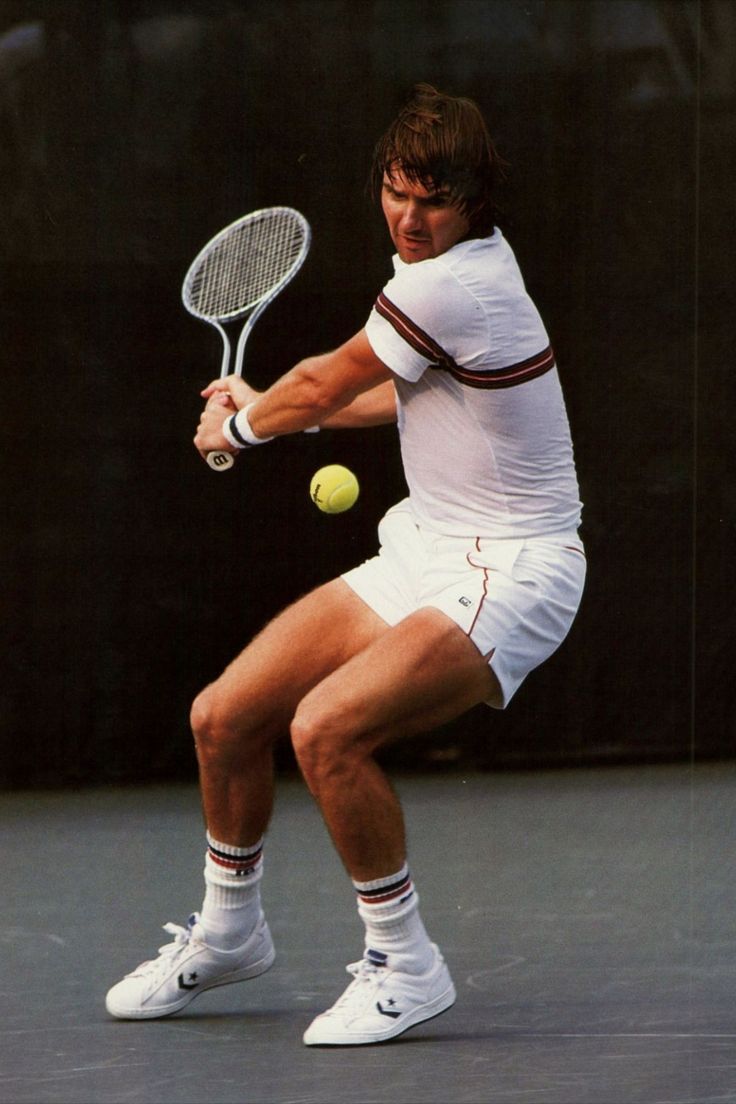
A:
(414, 245)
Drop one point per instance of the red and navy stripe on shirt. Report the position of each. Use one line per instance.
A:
(489, 378)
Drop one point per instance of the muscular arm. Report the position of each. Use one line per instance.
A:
(374, 407)
(345, 388)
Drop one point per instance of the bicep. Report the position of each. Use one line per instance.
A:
(355, 368)
(359, 387)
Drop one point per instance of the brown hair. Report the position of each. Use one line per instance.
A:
(442, 141)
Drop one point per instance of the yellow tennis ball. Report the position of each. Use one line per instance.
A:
(334, 489)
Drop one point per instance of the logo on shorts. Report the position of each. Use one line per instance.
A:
(465, 601)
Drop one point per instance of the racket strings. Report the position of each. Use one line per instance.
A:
(246, 264)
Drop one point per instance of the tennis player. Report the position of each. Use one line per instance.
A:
(477, 581)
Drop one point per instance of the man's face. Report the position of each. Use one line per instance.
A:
(421, 223)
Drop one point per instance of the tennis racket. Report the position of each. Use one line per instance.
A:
(237, 274)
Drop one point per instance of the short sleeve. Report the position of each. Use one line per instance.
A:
(424, 316)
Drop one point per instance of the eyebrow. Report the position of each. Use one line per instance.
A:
(439, 193)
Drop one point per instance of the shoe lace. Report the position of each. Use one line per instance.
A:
(168, 953)
(365, 974)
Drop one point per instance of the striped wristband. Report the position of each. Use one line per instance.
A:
(237, 430)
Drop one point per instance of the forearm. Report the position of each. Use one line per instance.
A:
(347, 387)
(374, 407)
(298, 400)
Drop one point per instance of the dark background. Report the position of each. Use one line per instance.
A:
(131, 132)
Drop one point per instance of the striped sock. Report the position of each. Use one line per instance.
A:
(389, 908)
(232, 900)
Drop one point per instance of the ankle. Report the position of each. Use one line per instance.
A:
(232, 902)
(415, 960)
(389, 908)
(228, 929)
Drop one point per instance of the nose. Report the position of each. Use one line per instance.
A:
(411, 218)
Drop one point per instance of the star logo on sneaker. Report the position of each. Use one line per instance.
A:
(191, 984)
(390, 1010)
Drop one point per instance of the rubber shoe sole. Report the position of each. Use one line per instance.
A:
(316, 1035)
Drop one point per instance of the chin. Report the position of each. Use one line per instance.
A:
(411, 256)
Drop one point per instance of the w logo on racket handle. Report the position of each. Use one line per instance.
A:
(220, 461)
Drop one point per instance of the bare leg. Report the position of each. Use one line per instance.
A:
(237, 719)
(330, 668)
(414, 677)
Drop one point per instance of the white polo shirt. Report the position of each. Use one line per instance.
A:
(485, 438)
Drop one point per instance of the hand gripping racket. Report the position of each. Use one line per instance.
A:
(238, 273)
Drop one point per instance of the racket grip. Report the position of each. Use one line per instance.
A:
(220, 461)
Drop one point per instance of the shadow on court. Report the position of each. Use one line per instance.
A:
(587, 917)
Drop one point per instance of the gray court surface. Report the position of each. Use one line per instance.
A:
(588, 917)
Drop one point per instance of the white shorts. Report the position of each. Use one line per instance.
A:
(514, 598)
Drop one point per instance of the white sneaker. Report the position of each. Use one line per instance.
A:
(382, 1002)
(184, 969)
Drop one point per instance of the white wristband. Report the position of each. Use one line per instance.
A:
(238, 433)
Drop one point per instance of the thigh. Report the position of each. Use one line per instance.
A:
(300, 647)
(415, 676)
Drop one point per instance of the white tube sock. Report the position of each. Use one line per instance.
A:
(389, 908)
(232, 900)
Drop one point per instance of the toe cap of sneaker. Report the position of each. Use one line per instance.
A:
(123, 1000)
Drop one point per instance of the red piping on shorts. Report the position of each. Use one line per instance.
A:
(486, 571)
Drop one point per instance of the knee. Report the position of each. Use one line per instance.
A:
(216, 735)
(322, 744)
(226, 729)
(203, 717)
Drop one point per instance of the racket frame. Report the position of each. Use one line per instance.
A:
(251, 312)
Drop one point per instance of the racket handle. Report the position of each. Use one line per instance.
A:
(223, 461)
(220, 461)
